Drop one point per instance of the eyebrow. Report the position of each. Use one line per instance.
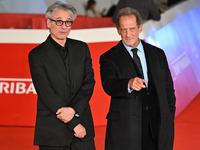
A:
(61, 18)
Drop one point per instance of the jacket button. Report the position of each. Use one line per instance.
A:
(147, 108)
(132, 116)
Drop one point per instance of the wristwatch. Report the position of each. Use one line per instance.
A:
(77, 115)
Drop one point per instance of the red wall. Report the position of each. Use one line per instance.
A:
(38, 21)
(17, 97)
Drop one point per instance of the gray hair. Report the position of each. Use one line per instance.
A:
(128, 12)
(61, 6)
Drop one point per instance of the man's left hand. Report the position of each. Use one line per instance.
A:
(65, 114)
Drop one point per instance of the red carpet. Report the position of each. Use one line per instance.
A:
(187, 133)
(187, 127)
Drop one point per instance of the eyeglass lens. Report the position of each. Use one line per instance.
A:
(60, 23)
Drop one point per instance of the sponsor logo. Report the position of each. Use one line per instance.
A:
(16, 86)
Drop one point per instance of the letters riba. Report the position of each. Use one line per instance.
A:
(16, 87)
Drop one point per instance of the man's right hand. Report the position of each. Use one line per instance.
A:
(137, 83)
(79, 131)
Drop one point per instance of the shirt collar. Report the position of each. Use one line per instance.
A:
(139, 47)
(58, 46)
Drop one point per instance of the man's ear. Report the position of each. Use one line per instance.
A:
(118, 30)
(48, 23)
(140, 28)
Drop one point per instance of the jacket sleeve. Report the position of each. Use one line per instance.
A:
(46, 94)
(112, 84)
(81, 99)
(169, 87)
(153, 11)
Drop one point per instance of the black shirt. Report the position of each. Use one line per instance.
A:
(60, 49)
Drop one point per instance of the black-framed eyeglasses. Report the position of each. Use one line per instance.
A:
(60, 22)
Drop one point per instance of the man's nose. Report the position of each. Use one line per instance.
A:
(128, 33)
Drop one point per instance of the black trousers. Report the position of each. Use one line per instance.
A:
(150, 114)
(77, 144)
(148, 143)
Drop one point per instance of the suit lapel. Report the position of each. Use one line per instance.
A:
(150, 59)
(71, 55)
(126, 59)
(55, 58)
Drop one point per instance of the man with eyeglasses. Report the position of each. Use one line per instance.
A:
(61, 70)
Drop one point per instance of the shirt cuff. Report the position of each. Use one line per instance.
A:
(129, 89)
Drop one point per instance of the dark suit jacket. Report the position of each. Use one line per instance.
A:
(147, 8)
(124, 116)
(49, 76)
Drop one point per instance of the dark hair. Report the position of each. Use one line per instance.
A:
(128, 12)
(90, 3)
(61, 6)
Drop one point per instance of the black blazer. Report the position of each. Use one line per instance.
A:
(147, 8)
(124, 116)
(49, 76)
